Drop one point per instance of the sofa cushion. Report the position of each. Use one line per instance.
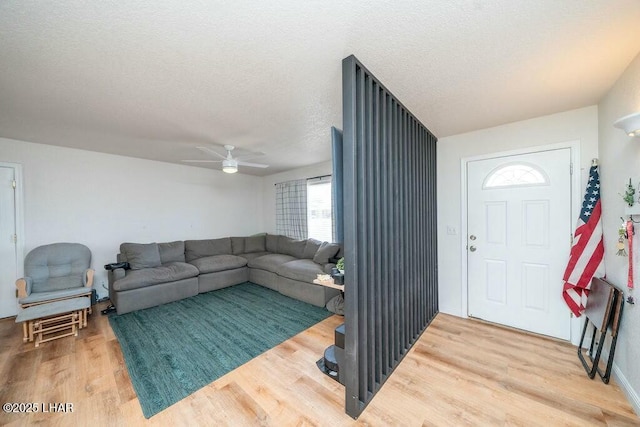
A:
(57, 266)
(141, 255)
(270, 262)
(303, 270)
(171, 272)
(271, 243)
(327, 250)
(289, 246)
(253, 255)
(237, 245)
(195, 249)
(255, 244)
(310, 248)
(171, 251)
(52, 295)
(215, 263)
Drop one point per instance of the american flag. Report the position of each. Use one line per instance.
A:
(587, 252)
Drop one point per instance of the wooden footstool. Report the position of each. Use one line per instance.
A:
(56, 319)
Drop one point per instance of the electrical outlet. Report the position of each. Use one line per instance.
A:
(451, 230)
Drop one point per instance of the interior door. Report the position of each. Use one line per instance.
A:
(519, 238)
(8, 253)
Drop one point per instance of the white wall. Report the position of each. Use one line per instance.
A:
(269, 189)
(620, 159)
(576, 125)
(102, 200)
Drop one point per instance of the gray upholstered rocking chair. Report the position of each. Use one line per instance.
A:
(55, 272)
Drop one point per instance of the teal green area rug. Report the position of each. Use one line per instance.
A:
(175, 349)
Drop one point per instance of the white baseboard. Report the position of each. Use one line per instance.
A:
(631, 394)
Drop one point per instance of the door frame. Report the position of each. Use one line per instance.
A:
(576, 179)
(19, 212)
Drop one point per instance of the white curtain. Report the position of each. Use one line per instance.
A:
(291, 208)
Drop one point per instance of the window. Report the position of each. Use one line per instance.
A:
(291, 208)
(319, 209)
(515, 174)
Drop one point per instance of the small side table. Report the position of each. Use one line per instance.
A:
(329, 285)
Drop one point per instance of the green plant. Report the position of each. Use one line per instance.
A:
(340, 264)
(628, 195)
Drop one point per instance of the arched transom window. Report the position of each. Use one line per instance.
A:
(516, 174)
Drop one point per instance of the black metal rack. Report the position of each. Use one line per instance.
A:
(603, 314)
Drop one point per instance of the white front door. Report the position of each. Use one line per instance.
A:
(519, 238)
(8, 253)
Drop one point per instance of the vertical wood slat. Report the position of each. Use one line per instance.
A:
(389, 232)
(415, 327)
(363, 313)
(423, 261)
(368, 215)
(395, 173)
(402, 226)
(393, 351)
(384, 235)
(418, 165)
(408, 176)
(377, 255)
(353, 404)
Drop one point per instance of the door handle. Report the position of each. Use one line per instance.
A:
(472, 248)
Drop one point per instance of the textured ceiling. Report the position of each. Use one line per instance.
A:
(153, 79)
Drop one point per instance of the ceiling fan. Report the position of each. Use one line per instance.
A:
(229, 163)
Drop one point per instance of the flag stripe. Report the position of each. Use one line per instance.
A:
(571, 298)
(593, 264)
(587, 252)
(589, 227)
(582, 257)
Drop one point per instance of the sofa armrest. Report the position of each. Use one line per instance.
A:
(115, 275)
(87, 277)
(24, 287)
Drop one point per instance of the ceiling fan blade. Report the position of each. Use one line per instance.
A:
(248, 155)
(252, 165)
(210, 150)
(202, 161)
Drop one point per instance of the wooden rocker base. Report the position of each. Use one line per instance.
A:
(47, 322)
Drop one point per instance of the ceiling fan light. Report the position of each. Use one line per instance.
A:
(229, 166)
(229, 169)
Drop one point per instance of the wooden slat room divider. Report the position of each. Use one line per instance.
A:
(389, 200)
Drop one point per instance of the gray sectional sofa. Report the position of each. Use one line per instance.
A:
(164, 272)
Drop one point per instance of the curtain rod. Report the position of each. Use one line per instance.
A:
(317, 177)
(313, 177)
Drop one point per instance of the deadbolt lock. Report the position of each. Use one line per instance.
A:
(472, 237)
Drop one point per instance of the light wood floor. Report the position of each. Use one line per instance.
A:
(461, 372)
